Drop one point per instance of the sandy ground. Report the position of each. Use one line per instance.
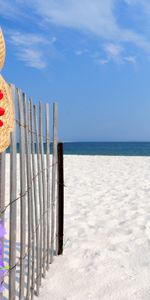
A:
(107, 231)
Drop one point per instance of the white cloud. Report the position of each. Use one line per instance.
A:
(86, 15)
(131, 59)
(31, 48)
(80, 52)
(13, 9)
(7, 8)
(102, 61)
(117, 53)
(20, 39)
(145, 4)
(96, 17)
(32, 58)
(113, 51)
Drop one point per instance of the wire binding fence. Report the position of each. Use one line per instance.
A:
(30, 201)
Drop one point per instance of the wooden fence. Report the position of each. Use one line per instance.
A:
(28, 198)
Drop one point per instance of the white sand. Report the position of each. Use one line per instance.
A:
(107, 231)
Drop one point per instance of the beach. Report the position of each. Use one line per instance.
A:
(74, 87)
(107, 231)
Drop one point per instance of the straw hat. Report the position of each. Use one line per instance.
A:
(2, 50)
(6, 104)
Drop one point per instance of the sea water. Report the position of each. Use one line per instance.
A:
(103, 148)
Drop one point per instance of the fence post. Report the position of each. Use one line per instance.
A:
(54, 174)
(22, 194)
(60, 212)
(13, 210)
(2, 195)
(43, 185)
(2, 182)
(31, 240)
(35, 185)
(48, 181)
(39, 191)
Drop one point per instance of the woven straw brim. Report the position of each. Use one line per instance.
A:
(8, 117)
(2, 50)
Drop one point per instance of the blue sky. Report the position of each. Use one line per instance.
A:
(91, 56)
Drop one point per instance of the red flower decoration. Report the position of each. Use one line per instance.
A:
(1, 123)
(1, 95)
(2, 111)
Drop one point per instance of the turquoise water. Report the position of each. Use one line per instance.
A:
(108, 148)
(105, 148)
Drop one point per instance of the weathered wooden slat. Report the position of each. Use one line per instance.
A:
(23, 195)
(60, 220)
(2, 182)
(54, 178)
(2, 195)
(44, 188)
(32, 199)
(48, 181)
(13, 210)
(29, 196)
(35, 203)
(39, 190)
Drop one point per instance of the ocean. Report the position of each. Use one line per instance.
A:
(108, 148)
(104, 148)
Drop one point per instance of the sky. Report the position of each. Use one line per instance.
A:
(91, 56)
